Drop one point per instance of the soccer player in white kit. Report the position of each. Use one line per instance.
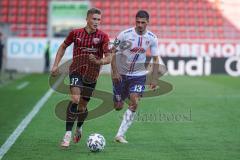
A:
(129, 68)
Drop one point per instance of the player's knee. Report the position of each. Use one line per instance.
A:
(133, 107)
(118, 106)
(82, 105)
(75, 99)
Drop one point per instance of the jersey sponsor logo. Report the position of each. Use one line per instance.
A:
(79, 39)
(85, 49)
(96, 40)
(137, 50)
(124, 45)
(131, 39)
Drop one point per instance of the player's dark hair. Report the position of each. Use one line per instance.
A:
(142, 14)
(93, 11)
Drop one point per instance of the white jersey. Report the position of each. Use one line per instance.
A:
(132, 50)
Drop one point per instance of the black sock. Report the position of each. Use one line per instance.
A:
(81, 117)
(71, 115)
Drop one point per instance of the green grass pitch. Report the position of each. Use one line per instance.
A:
(199, 119)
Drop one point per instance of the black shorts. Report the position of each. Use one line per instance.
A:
(86, 87)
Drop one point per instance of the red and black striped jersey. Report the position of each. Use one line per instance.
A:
(95, 43)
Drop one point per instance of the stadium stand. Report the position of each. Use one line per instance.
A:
(174, 19)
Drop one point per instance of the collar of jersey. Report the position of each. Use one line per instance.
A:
(89, 33)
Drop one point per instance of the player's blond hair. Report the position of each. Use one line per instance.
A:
(93, 11)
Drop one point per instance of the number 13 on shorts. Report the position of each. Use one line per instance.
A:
(138, 88)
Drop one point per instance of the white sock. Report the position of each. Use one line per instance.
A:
(67, 137)
(69, 133)
(128, 118)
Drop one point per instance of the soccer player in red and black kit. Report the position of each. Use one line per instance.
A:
(90, 44)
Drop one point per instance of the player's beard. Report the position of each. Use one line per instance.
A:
(141, 30)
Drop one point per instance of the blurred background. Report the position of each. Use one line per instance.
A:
(199, 43)
(196, 37)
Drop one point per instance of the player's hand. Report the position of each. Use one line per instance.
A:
(116, 77)
(93, 59)
(54, 71)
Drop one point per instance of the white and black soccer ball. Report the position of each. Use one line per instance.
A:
(96, 142)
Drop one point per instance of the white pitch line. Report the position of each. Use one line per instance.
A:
(20, 128)
(22, 85)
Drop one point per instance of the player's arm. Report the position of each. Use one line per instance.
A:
(61, 51)
(105, 60)
(59, 55)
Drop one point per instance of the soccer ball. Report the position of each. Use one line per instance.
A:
(96, 142)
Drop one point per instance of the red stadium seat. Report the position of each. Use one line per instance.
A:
(191, 21)
(144, 5)
(43, 20)
(171, 5)
(32, 19)
(181, 13)
(22, 11)
(172, 21)
(43, 11)
(4, 3)
(153, 5)
(12, 19)
(134, 4)
(154, 21)
(153, 13)
(162, 5)
(97, 4)
(106, 20)
(22, 19)
(14, 11)
(163, 13)
(4, 11)
(23, 34)
(181, 21)
(163, 21)
(33, 3)
(43, 3)
(23, 3)
(125, 4)
(106, 4)
(13, 3)
(106, 13)
(172, 13)
(125, 21)
(125, 14)
(115, 4)
(115, 20)
(32, 11)
(116, 12)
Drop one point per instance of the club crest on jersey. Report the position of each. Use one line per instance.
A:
(96, 40)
